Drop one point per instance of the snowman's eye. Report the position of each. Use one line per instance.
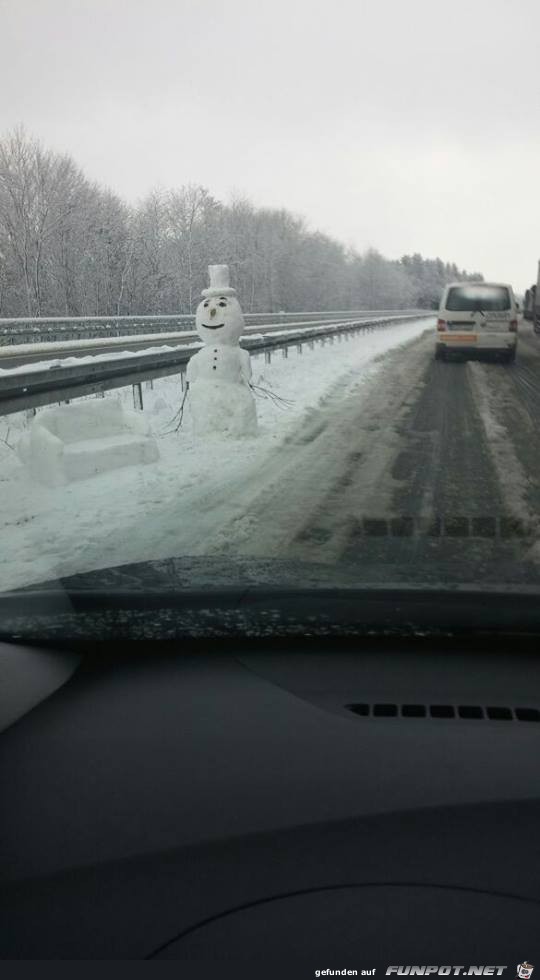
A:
(223, 304)
(206, 304)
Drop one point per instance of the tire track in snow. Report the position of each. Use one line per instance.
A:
(341, 454)
(513, 479)
(509, 401)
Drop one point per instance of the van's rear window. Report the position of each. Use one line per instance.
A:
(471, 298)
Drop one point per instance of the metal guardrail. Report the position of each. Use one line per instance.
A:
(23, 390)
(22, 330)
(51, 350)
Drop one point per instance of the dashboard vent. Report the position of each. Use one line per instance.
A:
(469, 712)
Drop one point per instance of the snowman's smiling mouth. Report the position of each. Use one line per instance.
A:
(213, 326)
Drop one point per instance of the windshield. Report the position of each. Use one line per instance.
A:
(472, 298)
(226, 232)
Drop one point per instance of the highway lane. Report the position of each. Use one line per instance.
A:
(431, 473)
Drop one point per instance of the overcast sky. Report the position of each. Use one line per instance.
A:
(406, 125)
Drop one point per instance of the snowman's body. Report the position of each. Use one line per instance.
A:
(220, 398)
(219, 393)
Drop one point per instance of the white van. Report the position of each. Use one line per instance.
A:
(477, 316)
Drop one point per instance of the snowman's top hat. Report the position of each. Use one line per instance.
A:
(219, 282)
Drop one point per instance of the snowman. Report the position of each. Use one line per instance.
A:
(218, 376)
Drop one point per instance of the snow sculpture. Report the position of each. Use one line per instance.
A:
(218, 376)
(77, 441)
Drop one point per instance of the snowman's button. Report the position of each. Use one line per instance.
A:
(214, 368)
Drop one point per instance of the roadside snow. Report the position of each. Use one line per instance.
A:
(149, 512)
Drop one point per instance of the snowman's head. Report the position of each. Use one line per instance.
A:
(219, 319)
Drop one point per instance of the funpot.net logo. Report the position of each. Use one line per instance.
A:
(524, 971)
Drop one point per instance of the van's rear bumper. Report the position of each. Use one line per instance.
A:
(499, 341)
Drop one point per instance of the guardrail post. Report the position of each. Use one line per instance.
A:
(137, 396)
(284, 352)
(267, 356)
(299, 348)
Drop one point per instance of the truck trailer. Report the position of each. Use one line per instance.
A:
(531, 304)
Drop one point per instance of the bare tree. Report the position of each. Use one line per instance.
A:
(191, 212)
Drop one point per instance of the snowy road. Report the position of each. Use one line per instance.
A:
(428, 472)
(389, 464)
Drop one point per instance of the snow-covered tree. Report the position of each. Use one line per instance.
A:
(70, 247)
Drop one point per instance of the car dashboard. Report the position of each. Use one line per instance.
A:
(234, 800)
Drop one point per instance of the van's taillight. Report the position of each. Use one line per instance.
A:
(513, 326)
(441, 324)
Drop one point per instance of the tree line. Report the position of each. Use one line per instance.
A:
(69, 247)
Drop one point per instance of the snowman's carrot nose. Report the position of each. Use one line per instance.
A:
(213, 311)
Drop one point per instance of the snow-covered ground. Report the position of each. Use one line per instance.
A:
(161, 510)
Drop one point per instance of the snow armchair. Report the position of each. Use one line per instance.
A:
(80, 440)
